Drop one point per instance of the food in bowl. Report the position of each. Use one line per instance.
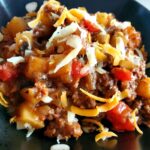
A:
(68, 71)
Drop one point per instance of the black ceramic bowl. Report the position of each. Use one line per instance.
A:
(11, 139)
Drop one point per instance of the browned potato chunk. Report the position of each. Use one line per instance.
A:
(143, 88)
(28, 115)
(36, 66)
(16, 25)
(29, 94)
(63, 72)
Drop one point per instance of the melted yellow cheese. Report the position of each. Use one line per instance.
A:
(103, 135)
(84, 112)
(135, 121)
(3, 102)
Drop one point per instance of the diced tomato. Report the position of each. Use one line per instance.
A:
(122, 74)
(7, 71)
(76, 69)
(119, 117)
(91, 27)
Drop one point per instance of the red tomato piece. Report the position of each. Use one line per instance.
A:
(91, 27)
(7, 71)
(119, 117)
(122, 74)
(76, 69)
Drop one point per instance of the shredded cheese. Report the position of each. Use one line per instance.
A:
(100, 56)
(135, 121)
(90, 52)
(62, 33)
(103, 135)
(65, 14)
(73, 41)
(69, 57)
(84, 112)
(120, 25)
(93, 96)
(94, 121)
(107, 48)
(77, 13)
(32, 24)
(3, 102)
(62, 18)
(12, 120)
(120, 46)
(63, 98)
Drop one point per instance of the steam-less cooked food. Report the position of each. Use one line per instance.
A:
(68, 71)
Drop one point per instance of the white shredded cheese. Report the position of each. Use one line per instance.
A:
(1, 37)
(60, 147)
(73, 41)
(31, 7)
(70, 56)
(46, 99)
(120, 46)
(90, 52)
(71, 117)
(120, 25)
(16, 60)
(62, 32)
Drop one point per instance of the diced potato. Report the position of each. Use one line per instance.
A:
(28, 115)
(126, 64)
(103, 38)
(103, 18)
(54, 60)
(143, 88)
(16, 25)
(36, 66)
(29, 94)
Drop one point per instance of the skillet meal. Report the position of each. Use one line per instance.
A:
(67, 71)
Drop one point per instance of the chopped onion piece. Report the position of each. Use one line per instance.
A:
(16, 60)
(60, 147)
(31, 7)
(28, 52)
(71, 117)
(46, 99)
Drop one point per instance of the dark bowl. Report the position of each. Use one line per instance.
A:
(11, 139)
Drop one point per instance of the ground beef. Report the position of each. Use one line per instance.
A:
(143, 106)
(82, 101)
(59, 126)
(106, 85)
